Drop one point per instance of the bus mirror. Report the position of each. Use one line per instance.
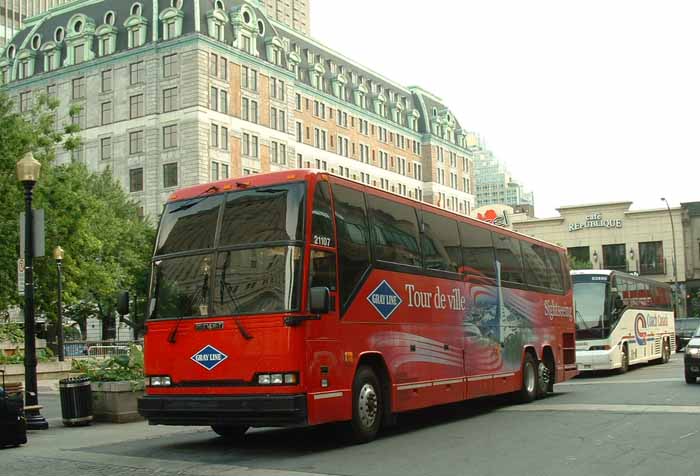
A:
(320, 300)
(123, 303)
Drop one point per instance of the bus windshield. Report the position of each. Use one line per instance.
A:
(592, 319)
(247, 262)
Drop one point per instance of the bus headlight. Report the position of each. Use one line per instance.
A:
(159, 381)
(289, 378)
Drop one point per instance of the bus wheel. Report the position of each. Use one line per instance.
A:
(625, 358)
(230, 432)
(666, 352)
(366, 406)
(528, 392)
(544, 379)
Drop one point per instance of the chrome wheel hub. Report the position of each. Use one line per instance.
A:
(367, 405)
(530, 378)
(544, 374)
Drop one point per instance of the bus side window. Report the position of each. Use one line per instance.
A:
(394, 232)
(477, 250)
(322, 271)
(508, 253)
(321, 223)
(440, 243)
(353, 239)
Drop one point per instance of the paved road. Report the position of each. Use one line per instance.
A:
(646, 422)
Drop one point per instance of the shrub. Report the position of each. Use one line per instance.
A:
(115, 369)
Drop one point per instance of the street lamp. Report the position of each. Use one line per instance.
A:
(675, 273)
(27, 174)
(58, 256)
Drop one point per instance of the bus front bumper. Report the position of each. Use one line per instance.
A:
(590, 360)
(251, 410)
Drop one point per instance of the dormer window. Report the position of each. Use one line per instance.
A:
(171, 19)
(137, 27)
(52, 56)
(107, 35)
(81, 32)
(216, 21)
(274, 50)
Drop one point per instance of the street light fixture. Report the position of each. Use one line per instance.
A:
(58, 256)
(675, 272)
(27, 174)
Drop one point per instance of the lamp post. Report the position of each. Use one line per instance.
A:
(27, 174)
(675, 273)
(58, 256)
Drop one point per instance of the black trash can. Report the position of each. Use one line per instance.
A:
(76, 401)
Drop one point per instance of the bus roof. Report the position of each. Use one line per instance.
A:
(272, 178)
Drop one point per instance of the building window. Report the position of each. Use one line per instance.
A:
(299, 129)
(223, 96)
(136, 106)
(106, 148)
(170, 66)
(78, 54)
(78, 154)
(214, 99)
(580, 255)
(250, 145)
(136, 142)
(24, 101)
(169, 99)
(169, 175)
(106, 113)
(136, 180)
(106, 81)
(298, 102)
(273, 118)
(249, 78)
(214, 136)
(614, 257)
(224, 68)
(79, 88)
(137, 72)
(278, 153)
(224, 138)
(214, 171)
(170, 137)
(213, 64)
(651, 258)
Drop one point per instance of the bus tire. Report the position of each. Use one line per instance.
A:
(545, 378)
(366, 406)
(625, 360)
(666, 351)
(528, 391)
(230, 432)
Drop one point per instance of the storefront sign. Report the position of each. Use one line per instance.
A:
(595, 220)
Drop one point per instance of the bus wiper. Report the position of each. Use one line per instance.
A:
(223, 285)
(580, 318)
(197, 297)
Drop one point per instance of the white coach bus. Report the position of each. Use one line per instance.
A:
(621, 320)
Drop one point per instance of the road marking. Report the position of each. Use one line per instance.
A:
(621, 382)
(594, 407)
(688, 435)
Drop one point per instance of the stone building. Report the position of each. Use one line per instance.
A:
(611, 236)
(174, 93)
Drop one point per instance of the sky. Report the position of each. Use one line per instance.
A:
(585, 102)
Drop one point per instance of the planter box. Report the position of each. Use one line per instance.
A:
(115, 402)
(14, 373)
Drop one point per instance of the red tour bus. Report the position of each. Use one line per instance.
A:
(300, 298)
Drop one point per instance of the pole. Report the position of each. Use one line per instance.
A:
(61, 356)
(35, 421)
(675, 272)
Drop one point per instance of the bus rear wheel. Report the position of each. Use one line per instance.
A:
(666, 351)
(230, 432)
(545, 376)
(528, 391)
(366, 406)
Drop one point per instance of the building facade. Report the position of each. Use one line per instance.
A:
(496, 186)
(293, 13)
(611, 236)
(174, 93)
(691, 245)
(14, 12)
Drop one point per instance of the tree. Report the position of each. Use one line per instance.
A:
(579, 264)
(107, 245)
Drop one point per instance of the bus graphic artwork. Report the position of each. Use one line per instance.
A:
(640, 326)
(335, 301)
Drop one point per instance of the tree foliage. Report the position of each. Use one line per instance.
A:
(87, 213)
(579, 264)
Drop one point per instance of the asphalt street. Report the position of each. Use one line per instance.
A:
(645, 422)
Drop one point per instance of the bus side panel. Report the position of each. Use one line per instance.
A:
(332, 402)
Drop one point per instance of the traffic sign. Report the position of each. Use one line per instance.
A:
(20, 276)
